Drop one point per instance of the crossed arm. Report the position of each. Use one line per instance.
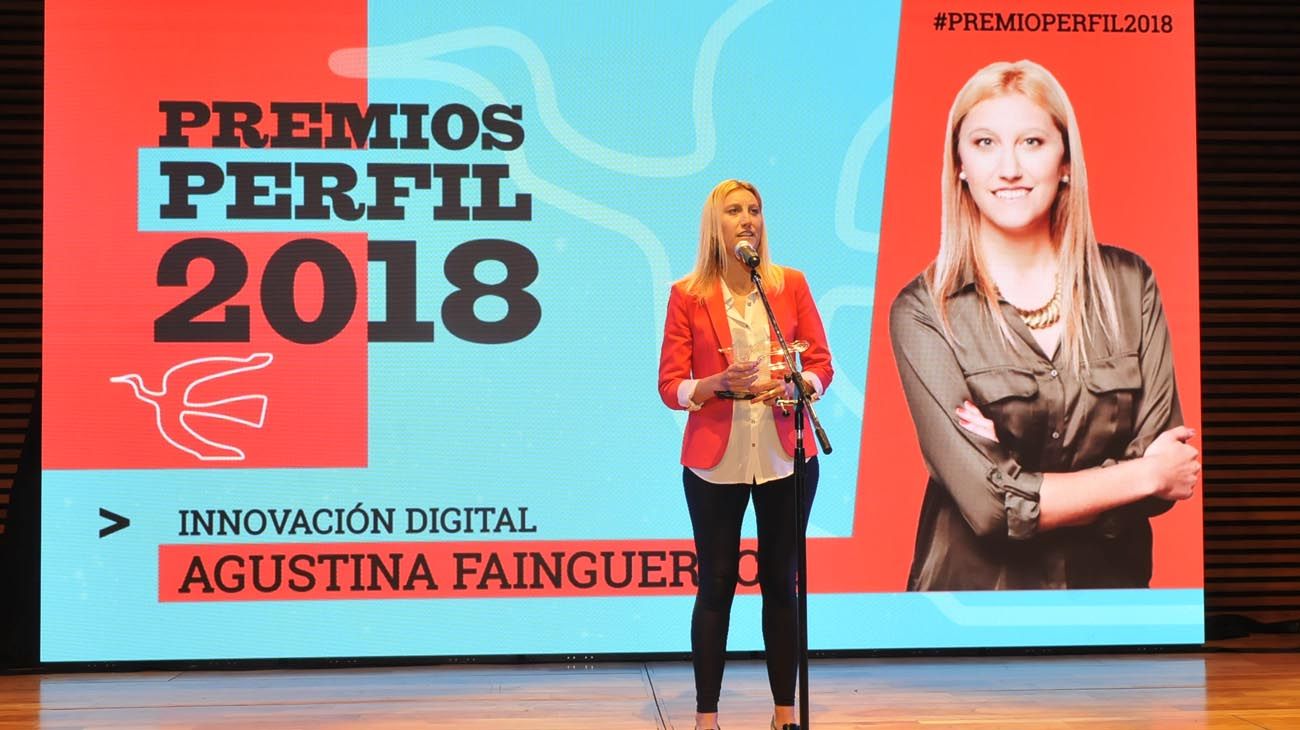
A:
(993, 492)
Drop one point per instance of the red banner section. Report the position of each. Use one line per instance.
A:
(485, 569)
(195, 349)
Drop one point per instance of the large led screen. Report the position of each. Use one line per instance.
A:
(353, 318)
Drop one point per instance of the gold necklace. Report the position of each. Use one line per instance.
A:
(1046, 315)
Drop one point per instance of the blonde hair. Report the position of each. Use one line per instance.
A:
(711, 260)
(1084, 287)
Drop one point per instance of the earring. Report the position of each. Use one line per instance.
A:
(1065, 179)
(961, 175)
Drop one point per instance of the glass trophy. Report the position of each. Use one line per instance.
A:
(774, 365)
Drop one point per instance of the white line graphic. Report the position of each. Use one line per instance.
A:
(392, 61)
(848, 192)
(176, 412)
(873, 130)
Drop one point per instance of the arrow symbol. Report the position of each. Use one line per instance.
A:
(119, 522)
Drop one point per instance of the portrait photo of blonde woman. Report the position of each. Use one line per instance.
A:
(1036, 362)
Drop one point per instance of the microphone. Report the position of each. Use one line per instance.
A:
(746, 253)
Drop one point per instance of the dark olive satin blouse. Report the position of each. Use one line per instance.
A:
(978, 528)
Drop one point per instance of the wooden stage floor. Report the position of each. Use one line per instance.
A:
(1239, 689)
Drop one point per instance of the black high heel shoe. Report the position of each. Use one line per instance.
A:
(786, 726)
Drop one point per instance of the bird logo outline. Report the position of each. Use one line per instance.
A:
(175, 406)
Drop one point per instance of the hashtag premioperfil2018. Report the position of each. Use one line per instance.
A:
(1040, 22)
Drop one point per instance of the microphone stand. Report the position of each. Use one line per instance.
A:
(802, 404)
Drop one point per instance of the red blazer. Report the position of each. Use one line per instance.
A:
(693, 332)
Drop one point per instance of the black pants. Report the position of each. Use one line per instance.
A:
(717, 511)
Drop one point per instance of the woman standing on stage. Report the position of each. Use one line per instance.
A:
(717, 340)
(1036, 363)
